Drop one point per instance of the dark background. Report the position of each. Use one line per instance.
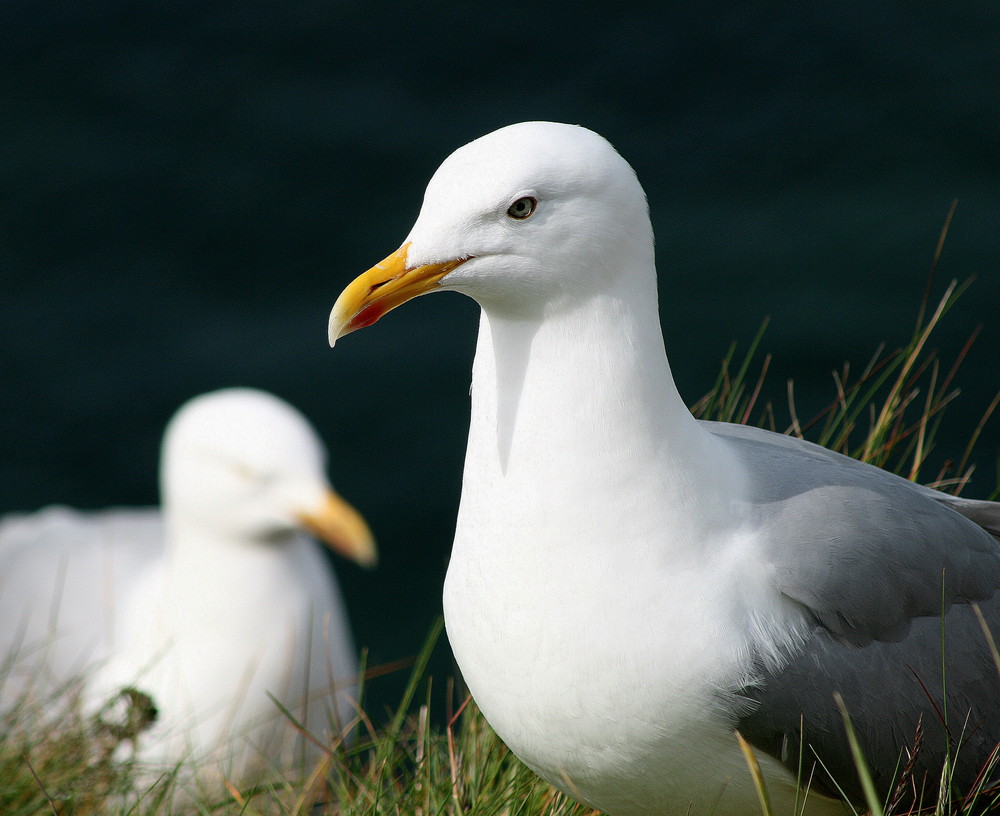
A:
(185, 187)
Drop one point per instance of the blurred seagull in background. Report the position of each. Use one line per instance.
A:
(628, 586)
(203, 609)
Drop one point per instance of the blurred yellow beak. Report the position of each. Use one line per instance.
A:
(381, 289)
(343, 529)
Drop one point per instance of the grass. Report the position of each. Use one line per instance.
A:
(887, 414)
(53, 761)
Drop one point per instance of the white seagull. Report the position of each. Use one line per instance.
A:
(211, 605)
(628, 586)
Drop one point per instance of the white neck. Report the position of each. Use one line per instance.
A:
(580, 405)
(206, 561)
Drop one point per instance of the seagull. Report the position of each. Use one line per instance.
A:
(629, 586)
(212, 610)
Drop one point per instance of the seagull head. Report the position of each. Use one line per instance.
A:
(243, 464)
(528, 219)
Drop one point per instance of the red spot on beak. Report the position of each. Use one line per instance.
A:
(370, 314)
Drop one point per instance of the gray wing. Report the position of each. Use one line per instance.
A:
(874, 559)
(862, 550)
(63, 577)
(890, 690)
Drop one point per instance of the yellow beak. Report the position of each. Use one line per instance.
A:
(343, 529)
(381, 289)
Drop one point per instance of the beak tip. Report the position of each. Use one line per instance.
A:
(342, 529)
(363, 550)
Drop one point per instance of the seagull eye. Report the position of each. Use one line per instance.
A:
(250, 474)
(522, 208)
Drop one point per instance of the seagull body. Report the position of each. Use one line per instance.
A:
(212, 607)
(628, 585)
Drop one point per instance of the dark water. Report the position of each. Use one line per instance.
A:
(185, 188)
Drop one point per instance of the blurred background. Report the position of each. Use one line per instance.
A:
(185, 187)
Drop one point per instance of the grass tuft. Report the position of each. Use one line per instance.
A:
(887, 415)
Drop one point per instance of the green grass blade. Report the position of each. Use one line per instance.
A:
(864, 775)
